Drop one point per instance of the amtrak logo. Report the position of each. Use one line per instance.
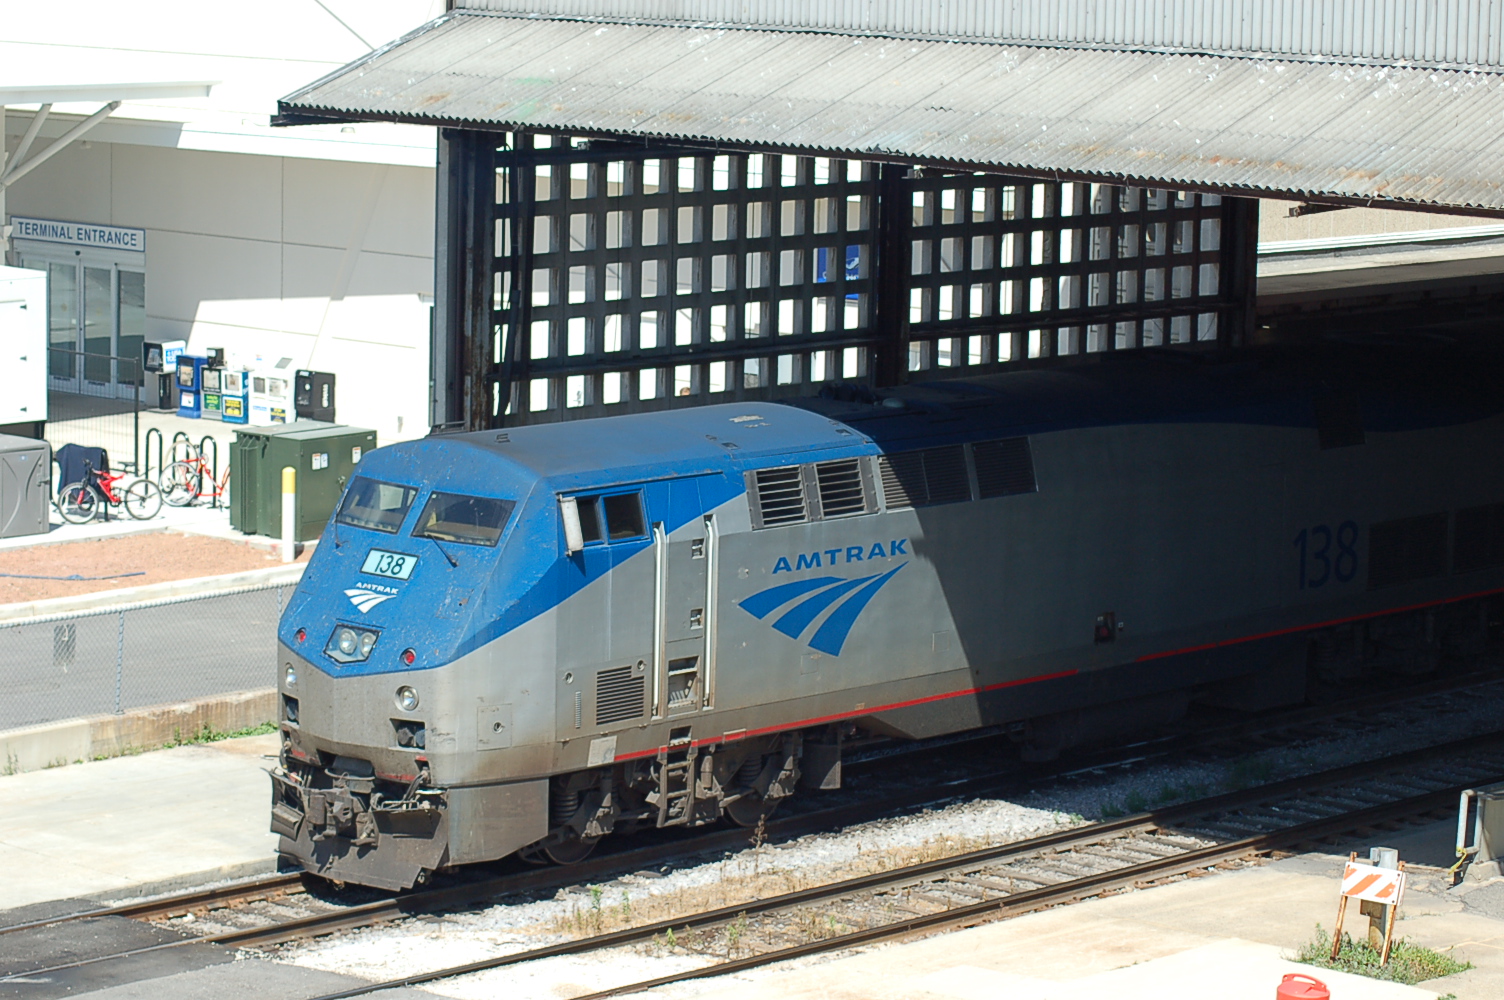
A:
(364, 600)
(813, 596)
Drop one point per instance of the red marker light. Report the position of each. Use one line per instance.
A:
(301, 634)
(408, 656)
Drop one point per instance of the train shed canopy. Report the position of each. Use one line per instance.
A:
(1420, 128)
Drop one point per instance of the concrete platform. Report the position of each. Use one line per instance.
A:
(106, 829)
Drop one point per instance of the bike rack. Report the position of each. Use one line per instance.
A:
(213, 464)
(161, 454)
(183, 438)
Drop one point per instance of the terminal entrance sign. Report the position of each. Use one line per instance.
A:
(83, 234)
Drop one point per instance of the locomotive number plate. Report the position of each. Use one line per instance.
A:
(395, 565)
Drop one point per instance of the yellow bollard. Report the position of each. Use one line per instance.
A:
(289, 512)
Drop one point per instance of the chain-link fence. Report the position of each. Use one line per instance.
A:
(115, 659)
(96, 401)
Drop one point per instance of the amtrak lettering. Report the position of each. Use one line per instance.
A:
(811, 597)
(852, 553)
(366, 596)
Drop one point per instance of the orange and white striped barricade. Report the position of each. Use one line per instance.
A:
(1370, 883)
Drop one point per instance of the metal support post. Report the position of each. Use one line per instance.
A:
(462, 293)
(1241, 263)
(1380, 917)
(890, 318)
(289, 512)
(119, 663)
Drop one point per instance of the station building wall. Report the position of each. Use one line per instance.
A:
(328, 263)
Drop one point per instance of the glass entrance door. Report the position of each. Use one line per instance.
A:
(62, 327)
(96, 314)
(98, 331)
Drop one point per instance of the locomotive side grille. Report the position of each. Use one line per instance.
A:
(778, 497)
(1412, 548)
(841, 490)
(903, 479)
(618, 695)
(1480, 538)
(945, 474)
(1003, 467)
(921, 478)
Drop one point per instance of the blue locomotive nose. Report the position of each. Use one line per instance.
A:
(408, 559)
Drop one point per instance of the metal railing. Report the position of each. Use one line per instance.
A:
(115, 659)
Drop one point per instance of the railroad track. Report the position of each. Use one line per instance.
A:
(1045, 871)
(288, 910)
(984, 884)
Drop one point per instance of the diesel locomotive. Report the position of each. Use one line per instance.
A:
(523, 640)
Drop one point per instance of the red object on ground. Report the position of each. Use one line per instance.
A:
(1299, 986)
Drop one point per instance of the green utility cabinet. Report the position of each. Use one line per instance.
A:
(325, 456)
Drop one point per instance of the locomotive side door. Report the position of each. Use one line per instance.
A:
(684, 611)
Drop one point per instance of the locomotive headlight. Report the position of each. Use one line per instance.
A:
(348, 644)
(291, 675)
(407, 698)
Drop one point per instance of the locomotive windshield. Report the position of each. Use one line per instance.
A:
(370, 503)
(454, 517)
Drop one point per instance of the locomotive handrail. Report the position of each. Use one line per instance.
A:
(712, 596)
(660, 610)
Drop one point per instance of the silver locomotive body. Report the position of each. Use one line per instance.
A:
(684, 615)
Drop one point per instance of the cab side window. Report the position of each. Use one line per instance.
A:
(590, 518)
(614, 517)
(624, 516)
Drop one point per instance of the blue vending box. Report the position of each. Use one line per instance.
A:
(191, 385)
(235, 396)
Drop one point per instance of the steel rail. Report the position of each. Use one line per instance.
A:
(1009, 905)
(789, 827)
(171, 905)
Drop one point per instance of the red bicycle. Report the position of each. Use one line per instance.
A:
(81, 502)
(193, 479)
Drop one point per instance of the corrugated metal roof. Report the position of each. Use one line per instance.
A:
(1469, 32)
(1293, 128)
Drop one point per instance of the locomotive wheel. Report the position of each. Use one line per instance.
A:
(749, 810)
(571, 851)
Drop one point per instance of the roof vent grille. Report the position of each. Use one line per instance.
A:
(778, 495)
(1004, 467)
(921, 478)
(945, 474)
(841, 490)
(903, 479)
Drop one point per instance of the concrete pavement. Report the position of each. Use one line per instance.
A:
(101, 829)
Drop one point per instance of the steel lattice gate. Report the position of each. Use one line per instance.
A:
(593, 278)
